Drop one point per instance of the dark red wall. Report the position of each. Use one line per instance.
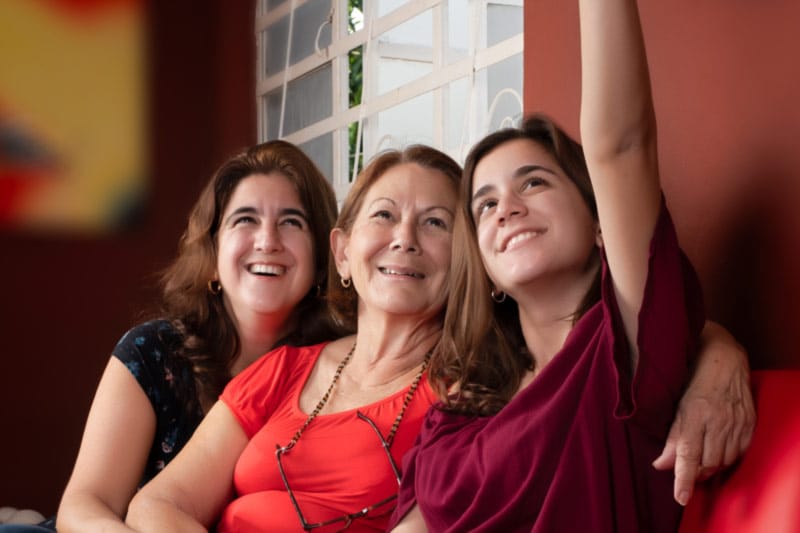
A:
(65, 301)
(726, 81)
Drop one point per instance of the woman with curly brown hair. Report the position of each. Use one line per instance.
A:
(250, 275)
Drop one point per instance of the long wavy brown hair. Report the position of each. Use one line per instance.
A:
(482, 354)
(343, 302)
(210, 340)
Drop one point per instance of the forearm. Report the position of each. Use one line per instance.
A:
(716, 345)
(80, 512)
(152, 513)
(192, 491)
(616, 104)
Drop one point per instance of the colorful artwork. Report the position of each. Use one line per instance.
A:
(72, 114)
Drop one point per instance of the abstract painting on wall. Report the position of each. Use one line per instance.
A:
(73, 154)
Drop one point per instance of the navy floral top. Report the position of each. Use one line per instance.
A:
(147, 350)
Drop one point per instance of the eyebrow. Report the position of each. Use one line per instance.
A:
(385, 198)
(426, 210)
(443, 208)
(521, 171)
(253, 211)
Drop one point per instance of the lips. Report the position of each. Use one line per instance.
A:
(518, 238)
(401, 271)
(264, 269)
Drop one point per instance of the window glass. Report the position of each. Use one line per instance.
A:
(308, 99)
(320, 151)
(274, 40)
(405, 53)
(311, 28)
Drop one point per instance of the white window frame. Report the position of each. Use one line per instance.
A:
(342, 42)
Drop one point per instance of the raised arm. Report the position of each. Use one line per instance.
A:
(618, 132)
(121, 418)
(191, 492)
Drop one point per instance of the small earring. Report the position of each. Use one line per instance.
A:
(214, 287)
(498, 296)
(319, 290)
(346, 282)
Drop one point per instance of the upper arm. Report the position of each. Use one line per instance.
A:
(121, 418)
(199, 481)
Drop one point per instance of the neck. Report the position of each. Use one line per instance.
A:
(546, 311)
(388, 347)
(257, 335)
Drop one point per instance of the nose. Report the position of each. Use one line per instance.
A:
(508, 206)
(268, 239)
(405, 238)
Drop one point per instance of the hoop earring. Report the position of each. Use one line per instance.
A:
(346, 282)
(498, 296)
(214, 287)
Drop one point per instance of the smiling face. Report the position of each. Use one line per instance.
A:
(531, 219)
(398, 249)
(265, 257)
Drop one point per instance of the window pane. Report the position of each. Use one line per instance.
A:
(320, 151)
(507, 106)
(355, 73)
(387, 6)
(308, 99)
(272, 112)
(310, 19)
(503, 22)
(400, 125)
(352, 141)
(404, 53)
(275, 38)
(456, 115)
(457, 31)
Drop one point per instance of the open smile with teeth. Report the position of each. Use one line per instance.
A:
(395, 272)
(261, 269)
(516, 240)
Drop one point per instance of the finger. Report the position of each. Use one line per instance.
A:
(746, 439)
(731, 452)
(687, 467)
(733, 446)
(749, 426)
(666, 461)
(716, 439)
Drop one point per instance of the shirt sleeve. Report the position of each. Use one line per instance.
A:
(252, 394)
(145, 350)
(670, 319)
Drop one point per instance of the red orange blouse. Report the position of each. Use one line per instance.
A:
(337, 467)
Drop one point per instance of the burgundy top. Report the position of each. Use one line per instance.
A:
(572, 451)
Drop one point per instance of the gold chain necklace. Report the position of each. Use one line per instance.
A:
(325, 397)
